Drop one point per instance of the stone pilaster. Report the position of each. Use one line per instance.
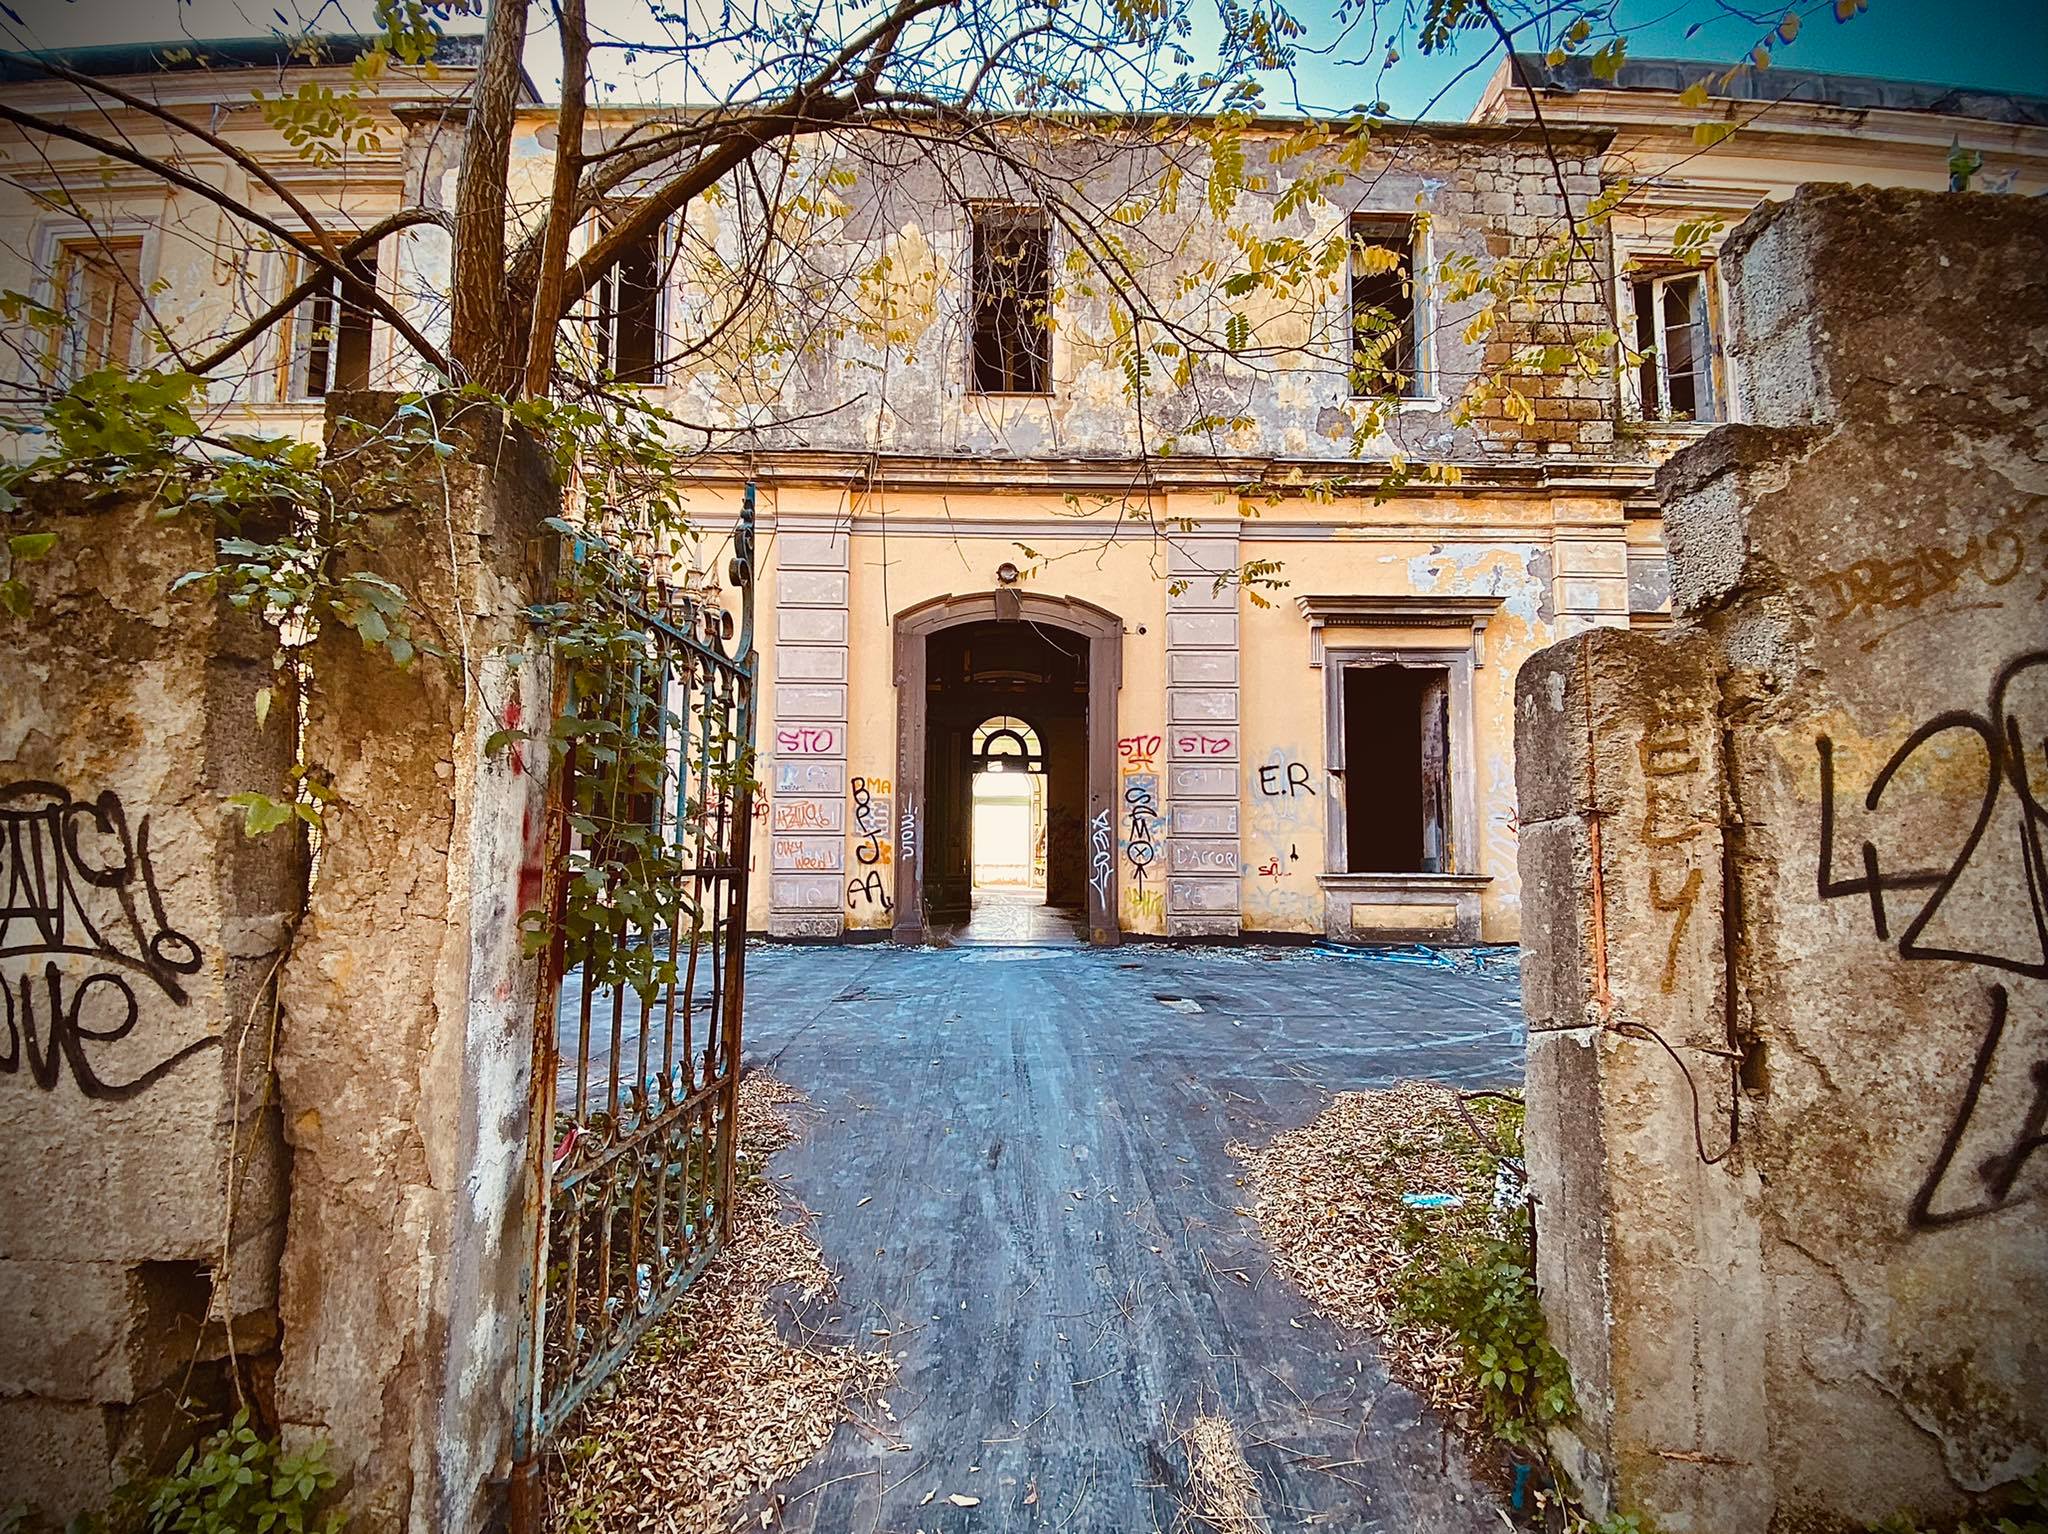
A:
(807, 749)
(1203, 887)
(1590, 580)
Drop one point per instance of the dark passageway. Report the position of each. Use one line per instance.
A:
(1006, 698)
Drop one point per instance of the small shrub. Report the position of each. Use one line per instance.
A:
(234, 1482)
(1479, 1289)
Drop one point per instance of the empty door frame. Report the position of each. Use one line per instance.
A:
(1104, 632)
(1461, 797)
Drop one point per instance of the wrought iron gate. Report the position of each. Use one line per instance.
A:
(638, 1020)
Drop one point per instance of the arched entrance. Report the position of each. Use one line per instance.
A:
(1056, 661)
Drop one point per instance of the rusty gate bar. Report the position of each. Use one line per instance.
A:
(632, 1166)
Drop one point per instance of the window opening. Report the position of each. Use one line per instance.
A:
(101, 287)
(627, 317)
(1674, 332)
(1012, 302)
(1384, 333)
(331, 334)
(1397, 801)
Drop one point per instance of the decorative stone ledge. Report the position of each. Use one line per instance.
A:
(1402, 908)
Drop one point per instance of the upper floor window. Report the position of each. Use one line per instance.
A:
(1675, 334)
(100, 293)
(1012, 302)
(625, 310)
(330, 334)
(1386, 332)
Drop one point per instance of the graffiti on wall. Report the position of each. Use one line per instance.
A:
(1284, 815)
(1873, 590)
(872, 804)
(1285, 779)
(1997, 870)
(82, 925)
(1139, 750)
(1671, 766)
(807, 740)
(1142, 896)
(1101, 856)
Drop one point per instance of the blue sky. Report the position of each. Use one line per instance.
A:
(1989, 44)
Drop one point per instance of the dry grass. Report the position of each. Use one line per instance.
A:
(1327, 1198)
(1222, 1493)
(715, 1404)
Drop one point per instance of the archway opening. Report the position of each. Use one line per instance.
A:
(1007, 827)
(1006, 853)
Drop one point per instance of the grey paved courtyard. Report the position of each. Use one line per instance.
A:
(1017, 1159)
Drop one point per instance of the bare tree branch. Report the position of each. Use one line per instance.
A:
(116, 151)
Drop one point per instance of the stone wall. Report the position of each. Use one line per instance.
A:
(139, 935)
(1784, 884)
(406, 1066)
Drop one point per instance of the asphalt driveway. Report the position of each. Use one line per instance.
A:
(1017, 1159)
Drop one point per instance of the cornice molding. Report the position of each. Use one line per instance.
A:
(868, 472)
(1396, 611)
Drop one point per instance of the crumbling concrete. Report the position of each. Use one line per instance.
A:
(1797, 1257)
(140, 932)
(406, 1064)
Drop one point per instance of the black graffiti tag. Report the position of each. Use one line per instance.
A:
(2012, 744)
(1141, 811)
(75, 885)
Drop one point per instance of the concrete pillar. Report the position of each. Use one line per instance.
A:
(807, 748)
(1842, 1319)
(1204, 889)
(407, 1055)
(1646, 1252)
(139, 934)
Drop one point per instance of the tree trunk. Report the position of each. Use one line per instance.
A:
(547, 302)
(480, 342)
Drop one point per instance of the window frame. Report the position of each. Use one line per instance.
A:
(1383, 227)
(44, 368)
(600, 309)
(1461, 844)
(986, 215)
(294, 343)
(1656, 277)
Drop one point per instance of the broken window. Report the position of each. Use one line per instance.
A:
(330, 333)
(100, 291)
(1674, 332)
(626, 312)
(1397, 769)
(1385, 332)
(1012, 302)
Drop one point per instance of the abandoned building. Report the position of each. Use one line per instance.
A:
(981, 559)
(1056, 641)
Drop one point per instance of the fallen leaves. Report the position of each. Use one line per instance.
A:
(1328, 1198)
(715, 1404)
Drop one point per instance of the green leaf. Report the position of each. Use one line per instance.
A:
(14, 597)
(260, 813)
(31, 546)
(263, 696)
